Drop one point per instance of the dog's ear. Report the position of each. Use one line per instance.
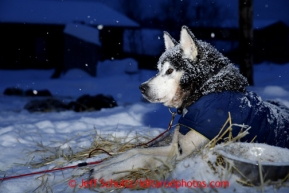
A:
(188, 44)
(169, 41)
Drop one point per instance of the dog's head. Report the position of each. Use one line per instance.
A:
(183, 69)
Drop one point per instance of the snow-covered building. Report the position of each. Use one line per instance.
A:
(59, 34)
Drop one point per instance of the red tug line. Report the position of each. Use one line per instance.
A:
(52, 170)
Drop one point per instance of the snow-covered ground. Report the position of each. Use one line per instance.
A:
(22, 133)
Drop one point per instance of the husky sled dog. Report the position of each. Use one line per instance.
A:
(204, 86)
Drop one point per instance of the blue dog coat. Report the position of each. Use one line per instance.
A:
(269, 122)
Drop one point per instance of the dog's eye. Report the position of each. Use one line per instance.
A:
(169, 71)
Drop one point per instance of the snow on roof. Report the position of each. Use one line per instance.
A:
(61, 12)
(87, 33)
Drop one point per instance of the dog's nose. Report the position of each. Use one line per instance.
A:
(143, 88)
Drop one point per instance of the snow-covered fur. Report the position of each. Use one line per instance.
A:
(189, 70)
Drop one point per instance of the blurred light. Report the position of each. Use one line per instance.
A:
(35, 92)
(100, 27)
(212, 35)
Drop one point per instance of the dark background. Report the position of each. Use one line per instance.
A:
(31, 38)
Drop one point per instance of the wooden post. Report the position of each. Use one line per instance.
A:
(246, 38)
